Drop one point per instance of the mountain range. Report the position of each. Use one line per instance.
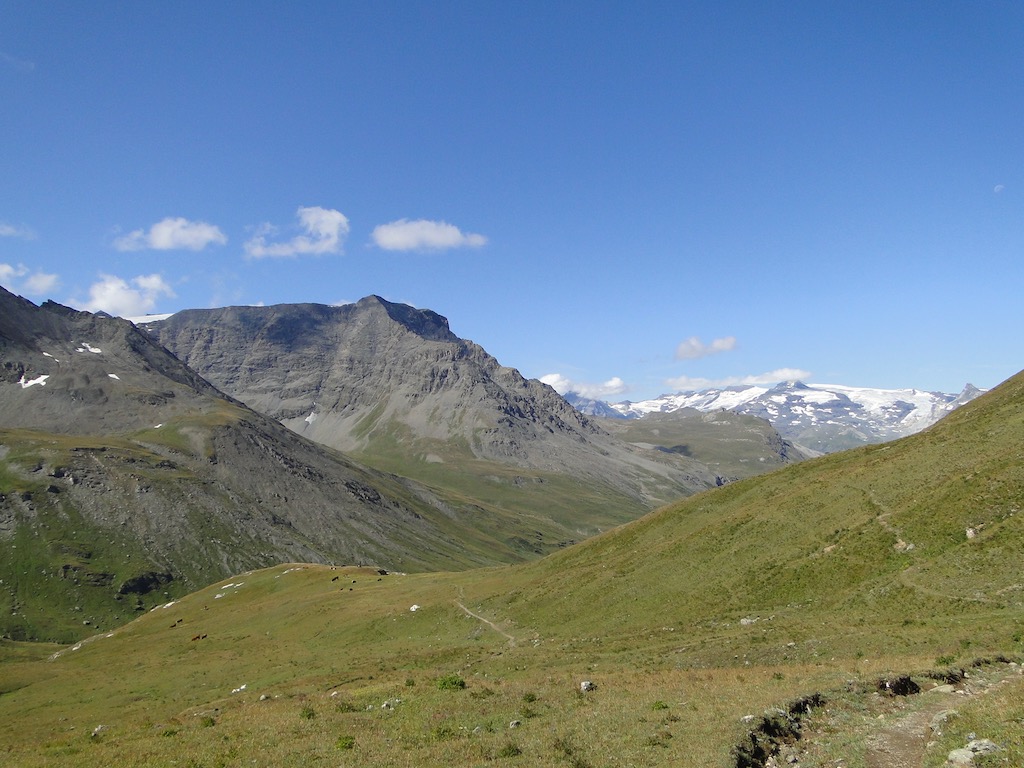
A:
(820, 417)
(128, 477)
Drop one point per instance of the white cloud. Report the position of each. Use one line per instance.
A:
(562, 385)
(40, 283)
(325, 232)
(9, 230)
(688, 383)
(117, 296)
(9, 273)
(694, 349)
(172, 234)
(423, 235)
(19, 279)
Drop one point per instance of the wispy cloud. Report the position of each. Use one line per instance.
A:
(18, 65)
(20, 279)
(172, 234)
(423, 235)
(324, 230)
(9, 230)
(688, 383)
(561, 384)
(117, 296)
(694, 349)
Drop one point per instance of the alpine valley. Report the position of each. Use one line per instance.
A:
(345, 536)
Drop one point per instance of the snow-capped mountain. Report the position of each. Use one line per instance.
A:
(822, 417)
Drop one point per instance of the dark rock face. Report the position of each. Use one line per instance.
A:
(353, 376)
(145, 583)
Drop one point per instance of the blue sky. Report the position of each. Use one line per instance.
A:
(635, 198)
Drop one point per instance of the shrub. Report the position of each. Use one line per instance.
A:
(510, 749)
(345, 705)
(346, 742)
(443, 732)
(451, 683)
(659, 705)
(307, 712)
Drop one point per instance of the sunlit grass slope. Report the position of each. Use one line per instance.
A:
(915, 544)
(902, 557)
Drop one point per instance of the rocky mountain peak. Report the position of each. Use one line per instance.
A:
(422, 322)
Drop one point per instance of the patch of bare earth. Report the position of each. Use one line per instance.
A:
(889, 724)
(903, 739)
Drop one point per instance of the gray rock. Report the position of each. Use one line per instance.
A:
(982, 746)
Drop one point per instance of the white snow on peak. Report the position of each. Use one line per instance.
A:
(705, 400)
(813, 412)
(40, 380)
(87, 347)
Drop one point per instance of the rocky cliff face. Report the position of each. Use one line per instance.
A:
(370, 374)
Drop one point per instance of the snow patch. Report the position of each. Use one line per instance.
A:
(114, 376)
(148, 318)
(87, 347)
(40, 380)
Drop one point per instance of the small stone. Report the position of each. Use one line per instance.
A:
(587, 685)
(514, 724)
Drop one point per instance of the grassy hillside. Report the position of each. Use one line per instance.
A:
(819, 578)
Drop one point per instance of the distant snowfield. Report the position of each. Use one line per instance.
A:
(814, 411)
